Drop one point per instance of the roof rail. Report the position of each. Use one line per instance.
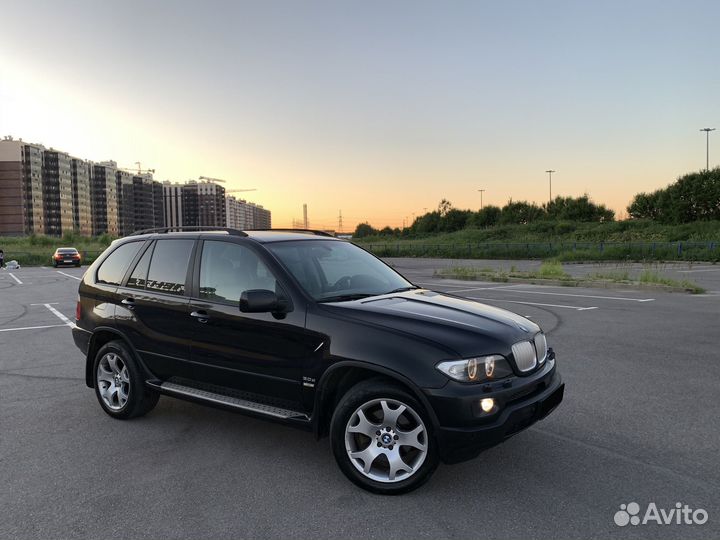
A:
(189, 228)
(302, 231)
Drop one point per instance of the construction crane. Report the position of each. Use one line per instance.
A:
(222, 182)
(219, 180)
(139, 170)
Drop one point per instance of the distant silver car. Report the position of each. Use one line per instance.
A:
(66, 256)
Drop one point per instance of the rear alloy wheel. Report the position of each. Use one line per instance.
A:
(382, 440)
(119, 383)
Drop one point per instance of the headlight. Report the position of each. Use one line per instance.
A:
(484, 368)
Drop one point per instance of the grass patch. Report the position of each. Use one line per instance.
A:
(553, 269)
(631, 240)
(649, 276)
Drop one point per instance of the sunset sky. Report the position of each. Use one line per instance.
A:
(378, 109)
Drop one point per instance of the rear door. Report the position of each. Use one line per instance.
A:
(153, 309)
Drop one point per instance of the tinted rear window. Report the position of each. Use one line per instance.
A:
(113, 269)
(168, 266)
(67, 251)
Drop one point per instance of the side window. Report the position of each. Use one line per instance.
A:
(168, 266)
(138, 278)
(113, 268)
(227, 269)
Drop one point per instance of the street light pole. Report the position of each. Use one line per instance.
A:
(707, 146)
(550, 172)
(481, 194)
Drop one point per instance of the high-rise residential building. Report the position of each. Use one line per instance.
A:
(104, 198)
(246, 215)
(13, 201)
(158, 204)
(125, 186)
(21, 193)
(148, 202)
(57, 192)
(82, 214)
(173, 199)
(261, 217)
(203, 204)
(235, 212)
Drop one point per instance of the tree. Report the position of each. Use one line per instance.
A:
(693, 197)
(454, 220)
(645, 206)
(520, 212)
(364, 229)
(444, 207)
(487, 217)
(577, 209)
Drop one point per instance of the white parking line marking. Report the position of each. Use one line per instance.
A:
(576, 308)
(440, 283)
(49, 303)
(31, 327)
(15, 277)
(701, 270)
(522, 291)
(483, 288)
(68, 275)
(60, 316)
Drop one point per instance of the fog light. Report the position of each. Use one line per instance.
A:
(487, 404)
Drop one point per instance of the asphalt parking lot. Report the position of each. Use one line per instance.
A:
(639, 424)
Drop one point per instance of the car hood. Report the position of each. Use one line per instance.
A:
(468, 327)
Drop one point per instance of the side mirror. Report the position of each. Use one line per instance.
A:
(261, 301)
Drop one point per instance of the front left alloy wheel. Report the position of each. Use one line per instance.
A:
(382, 439)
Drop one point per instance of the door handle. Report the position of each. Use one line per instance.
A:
(201, 316)
(129, 303)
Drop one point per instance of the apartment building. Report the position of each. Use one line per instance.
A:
(147, 202)
(104, 198)
(13, 190)
(57, 192)
(125, 186)
(173, 199)
(203, 204)
(82, 212)
(242, 214)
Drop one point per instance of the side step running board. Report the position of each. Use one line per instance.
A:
(179, 390)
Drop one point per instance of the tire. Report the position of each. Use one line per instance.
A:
(114, 363)
(78, 265)
(379, 401)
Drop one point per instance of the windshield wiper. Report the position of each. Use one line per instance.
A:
(345, 297)
(403, 289)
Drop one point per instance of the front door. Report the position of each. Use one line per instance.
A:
(259, 353)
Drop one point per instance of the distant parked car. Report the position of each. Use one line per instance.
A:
(66, 256)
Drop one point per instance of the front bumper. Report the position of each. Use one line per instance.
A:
(463, 433)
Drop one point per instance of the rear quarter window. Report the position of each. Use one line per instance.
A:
(168, 267)
(113, 268)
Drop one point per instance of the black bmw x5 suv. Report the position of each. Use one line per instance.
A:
(312, 331)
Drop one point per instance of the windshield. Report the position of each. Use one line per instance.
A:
(332, 271)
